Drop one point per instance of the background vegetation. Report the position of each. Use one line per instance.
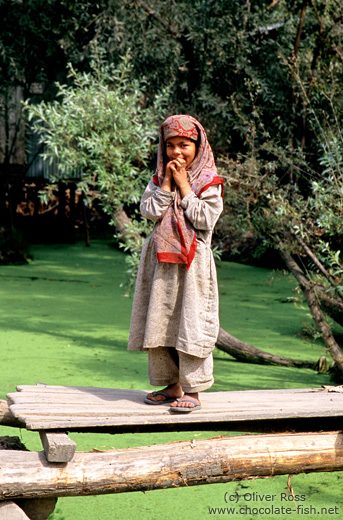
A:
(264, 80)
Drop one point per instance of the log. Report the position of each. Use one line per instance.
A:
(247, 353)
(32, 509)
(216, 460)
(122, 222)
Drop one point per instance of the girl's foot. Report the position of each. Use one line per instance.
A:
(184, 403)
(173, 391)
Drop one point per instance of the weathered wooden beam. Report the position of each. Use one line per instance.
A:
(6, 416)
(57, 446)
(67, 408)
(220, 459)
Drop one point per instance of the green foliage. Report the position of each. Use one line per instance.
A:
(100, 131)
(212, 52)
(304, 217)
(131, 241)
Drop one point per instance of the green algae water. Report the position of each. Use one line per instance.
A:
(65, 321)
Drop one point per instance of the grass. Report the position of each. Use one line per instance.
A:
(65, 321)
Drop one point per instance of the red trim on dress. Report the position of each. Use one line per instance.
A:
(171, 258)
(215, 180)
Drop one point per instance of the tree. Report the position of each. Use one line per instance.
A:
(212, 52)
(99, 129)
(305, 224)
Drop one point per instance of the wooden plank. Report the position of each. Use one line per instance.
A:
(53, 407)
(84, 408)
(221, 398)
(78, 389)
(124, 392)
(127, 405)
(57, 446)
(216, 460)
(204, 415)
(154, 425)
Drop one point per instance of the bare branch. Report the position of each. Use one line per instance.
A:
(315, 260)
(300, 28)
(273, 4)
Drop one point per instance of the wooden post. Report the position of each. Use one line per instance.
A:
(220, 459)
(57, 446)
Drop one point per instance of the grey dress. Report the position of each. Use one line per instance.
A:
(173, 306)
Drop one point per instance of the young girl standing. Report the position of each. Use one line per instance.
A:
(175, 307)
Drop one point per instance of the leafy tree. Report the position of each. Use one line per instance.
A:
(99, 130)
(305, 224)
(213, 52)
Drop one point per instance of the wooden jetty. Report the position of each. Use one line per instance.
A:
(306, 418)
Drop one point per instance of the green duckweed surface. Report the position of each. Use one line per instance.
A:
(64, 321)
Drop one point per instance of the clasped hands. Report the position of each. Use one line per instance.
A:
(176, 171)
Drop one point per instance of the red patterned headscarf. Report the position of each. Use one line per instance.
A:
(175, 236)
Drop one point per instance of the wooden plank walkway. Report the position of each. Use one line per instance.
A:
(44, 407)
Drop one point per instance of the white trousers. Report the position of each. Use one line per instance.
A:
(168, 366)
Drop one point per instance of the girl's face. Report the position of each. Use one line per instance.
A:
(181, 147)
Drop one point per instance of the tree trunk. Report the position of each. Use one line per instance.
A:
(331, 306)
(317, 314)
(87, 227)
(300, 28)
(122, 221)
(223, 459)
(247, 353)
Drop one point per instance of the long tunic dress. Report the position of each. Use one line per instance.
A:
(173, 306)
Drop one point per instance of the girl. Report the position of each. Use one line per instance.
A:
(175, 307)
